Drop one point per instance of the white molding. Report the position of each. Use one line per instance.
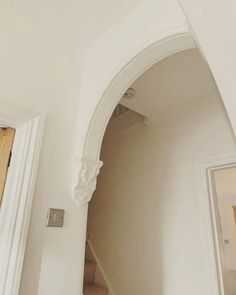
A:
(18, 194)
(85, 175)
(87, 165)
(210, 236)
(163, 46)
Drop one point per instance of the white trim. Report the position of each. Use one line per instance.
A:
(210, 236)
(18, 194)
(162, 47)
(101, 268)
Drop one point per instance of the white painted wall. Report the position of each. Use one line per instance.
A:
(225, 184)
(40, 62)
(144, 216)
(42, 57)
(213, 23)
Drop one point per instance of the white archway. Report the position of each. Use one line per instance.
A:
(88, 165)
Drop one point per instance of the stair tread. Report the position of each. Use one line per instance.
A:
(92, 289)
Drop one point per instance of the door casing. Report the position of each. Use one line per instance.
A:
(18, 193)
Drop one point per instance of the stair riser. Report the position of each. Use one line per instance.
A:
(89, 273)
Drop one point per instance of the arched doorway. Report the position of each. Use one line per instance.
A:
(211, 273)
(87, 166)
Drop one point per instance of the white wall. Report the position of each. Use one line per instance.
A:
(225, 184)
(213, 23)
(42, 49)
(143, 218)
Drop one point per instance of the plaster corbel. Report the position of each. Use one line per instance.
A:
(85, 179)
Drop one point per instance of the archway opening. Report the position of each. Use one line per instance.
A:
(144, 227)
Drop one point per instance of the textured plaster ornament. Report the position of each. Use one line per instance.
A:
(85, 179)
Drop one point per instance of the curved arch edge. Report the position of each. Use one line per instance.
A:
(87, 167)
(85, 175)
(124, 77)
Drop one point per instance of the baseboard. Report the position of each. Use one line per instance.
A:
(100, 267)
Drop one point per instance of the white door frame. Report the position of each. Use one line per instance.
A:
(18, 194)
(211, 240)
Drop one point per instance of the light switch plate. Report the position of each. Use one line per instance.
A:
(55, 217)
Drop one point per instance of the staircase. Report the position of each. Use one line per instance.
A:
(90, 287)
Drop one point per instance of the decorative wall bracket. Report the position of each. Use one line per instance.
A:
(85, 179)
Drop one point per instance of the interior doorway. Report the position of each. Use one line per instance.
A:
(6, 143)
(22, 135)
(144, 220)
(223, 180)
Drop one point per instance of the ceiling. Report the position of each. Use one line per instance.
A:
(171, 83)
